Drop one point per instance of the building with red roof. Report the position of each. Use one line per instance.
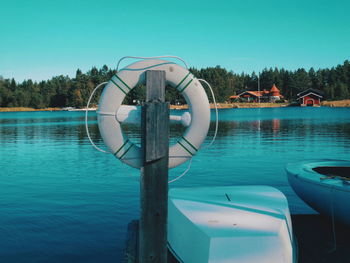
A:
(310, 97)
(275, 91)
(271, 95)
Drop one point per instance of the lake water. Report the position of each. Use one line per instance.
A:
(62, 201)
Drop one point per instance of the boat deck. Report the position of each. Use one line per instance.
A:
(313, 233)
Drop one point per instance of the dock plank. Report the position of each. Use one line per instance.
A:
(132, 245)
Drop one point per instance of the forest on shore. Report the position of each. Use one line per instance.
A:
(63, 91)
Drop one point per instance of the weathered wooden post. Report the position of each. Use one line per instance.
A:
(154, 174)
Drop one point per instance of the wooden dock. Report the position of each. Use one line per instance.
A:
(132, 245)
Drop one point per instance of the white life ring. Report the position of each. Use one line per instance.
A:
(129, 77)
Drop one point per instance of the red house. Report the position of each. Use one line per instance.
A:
(310, 97)
(271, 95)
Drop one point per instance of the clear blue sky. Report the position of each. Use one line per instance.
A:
(41, 39)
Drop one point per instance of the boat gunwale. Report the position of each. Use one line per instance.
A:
(303, 171)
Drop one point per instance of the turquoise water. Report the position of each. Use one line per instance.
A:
(62, 201)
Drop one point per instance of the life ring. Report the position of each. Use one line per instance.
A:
(123, 82)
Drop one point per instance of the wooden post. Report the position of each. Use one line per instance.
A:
(154, 174)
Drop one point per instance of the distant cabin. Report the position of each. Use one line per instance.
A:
(271, 95)
(310, 97)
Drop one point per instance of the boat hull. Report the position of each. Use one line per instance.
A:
(230, 224)
(327, 195)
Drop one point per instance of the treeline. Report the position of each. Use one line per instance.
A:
(63, 91)
(60, 91)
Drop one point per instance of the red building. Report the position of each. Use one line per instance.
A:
(264, 96)
(310, 97)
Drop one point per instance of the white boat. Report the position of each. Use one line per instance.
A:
(324, 185)
(230, 224)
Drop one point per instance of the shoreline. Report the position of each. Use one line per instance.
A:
(18, 109)
(240, 105)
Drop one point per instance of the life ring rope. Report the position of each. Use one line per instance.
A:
(119, 87)
(216, 113)
(164, 56)
(188, 143)
(178, 85)
(187, 150)
(120, 148)
(182, 90)
(125, 88)
(126, 151)
(126, 85)
(86, 118)
(141, 69)
(131, 76)
(124, 81)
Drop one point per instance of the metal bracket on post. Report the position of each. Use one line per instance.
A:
(154, 173)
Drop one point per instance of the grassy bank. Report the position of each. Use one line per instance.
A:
(237, 105)
(336, 103)
(27, 109)
(251, 105)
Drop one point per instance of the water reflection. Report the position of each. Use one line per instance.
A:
(65, 128)
(52, 179)
(285, 129)
(70, 126)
